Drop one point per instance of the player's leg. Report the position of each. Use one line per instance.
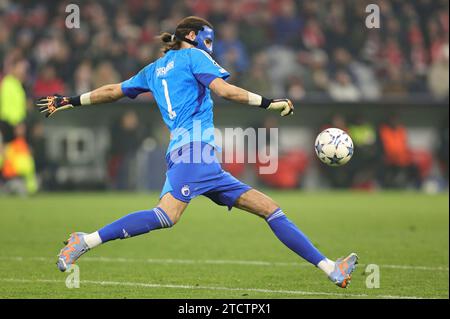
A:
(164, 215)
(288, 233)
(263, 206)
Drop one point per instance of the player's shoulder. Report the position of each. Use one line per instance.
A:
(197, 53)
(200, 57)
(147, 68)
(192, 54)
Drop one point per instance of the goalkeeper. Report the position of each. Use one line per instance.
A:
(181, 82)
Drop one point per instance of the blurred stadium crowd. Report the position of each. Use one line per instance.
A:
(306, 50)
(302, 47)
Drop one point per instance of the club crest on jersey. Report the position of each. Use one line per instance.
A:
(185, 190)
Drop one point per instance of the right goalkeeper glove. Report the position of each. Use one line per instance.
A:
(54, 103)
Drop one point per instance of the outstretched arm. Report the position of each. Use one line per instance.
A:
(236, 94)
(105, 94)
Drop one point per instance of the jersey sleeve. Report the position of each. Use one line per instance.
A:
(205, 69)
(136, 85)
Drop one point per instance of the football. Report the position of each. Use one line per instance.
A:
(334, 147)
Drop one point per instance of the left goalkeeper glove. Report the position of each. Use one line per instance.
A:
(54, 103)
(283, 106)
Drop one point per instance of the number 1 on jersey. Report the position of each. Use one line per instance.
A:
(172, 113)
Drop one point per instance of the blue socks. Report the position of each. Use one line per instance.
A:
(135, 224)
(293, 238)
(144, 221)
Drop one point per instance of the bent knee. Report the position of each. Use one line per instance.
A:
(173, 215)
(257, 203)
(269, 207)
(175, 219)
(172, 207)
(269, 210)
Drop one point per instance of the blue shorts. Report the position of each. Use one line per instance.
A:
(190, 175)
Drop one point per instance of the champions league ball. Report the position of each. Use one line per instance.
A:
(334, 147)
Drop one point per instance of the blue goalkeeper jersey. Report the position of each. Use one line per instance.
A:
(179, 82)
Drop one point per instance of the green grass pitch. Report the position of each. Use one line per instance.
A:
(212, 253)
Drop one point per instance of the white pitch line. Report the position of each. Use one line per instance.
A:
(172, 286)
(439, 268)
(218, 262)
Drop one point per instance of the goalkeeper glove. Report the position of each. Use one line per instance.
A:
(283, 106)
(54, 103)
